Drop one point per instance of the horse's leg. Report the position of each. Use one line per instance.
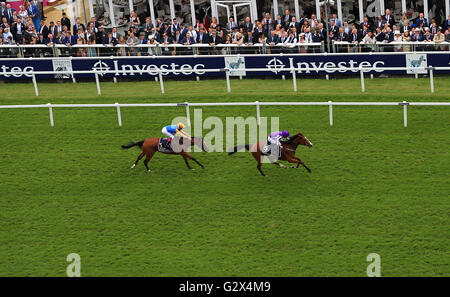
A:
(279, 165)
(139, 157)
(149, 156)
(185, 155)
(187, 163)
(257, 155)
(299, 162)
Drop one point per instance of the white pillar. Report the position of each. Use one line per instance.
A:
(339, 9)
(111, 13)
(297, 10)
(91, 9)
(172, 9)
(255, 10)
(70, 11)
(152, 12)
(275, 8)
(78, 13)
(425, 10)
(317, 10)
(382, 9)
(361, 11)
(447, 9)
(214, 9)
(130, 2)
(403, 6)
(193, 13)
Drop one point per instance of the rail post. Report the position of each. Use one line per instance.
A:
(227, 75)
(258, 114)
(431, 79)
(161, 82)
(294, 80)
(405, 113)
(363, 87)
(119, 116)
(33, 77)
(97, 81)
(50, 110)
(330, 108)
(188, 115)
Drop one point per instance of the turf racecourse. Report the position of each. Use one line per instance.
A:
(375, 187)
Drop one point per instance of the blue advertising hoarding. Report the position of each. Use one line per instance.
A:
(186, 66)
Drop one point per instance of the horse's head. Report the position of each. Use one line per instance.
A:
(300, 139)
(199, 142)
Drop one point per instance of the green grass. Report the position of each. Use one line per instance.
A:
(375, 187)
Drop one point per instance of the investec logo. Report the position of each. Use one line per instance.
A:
(276, 65)
(126, 69)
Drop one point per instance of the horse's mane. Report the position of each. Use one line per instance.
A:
(292, 138)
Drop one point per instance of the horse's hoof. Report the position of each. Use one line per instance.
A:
(149, 170)
(309, 171)
(132, 166)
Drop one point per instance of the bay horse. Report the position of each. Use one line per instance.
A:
(149, 147)
(287, 152)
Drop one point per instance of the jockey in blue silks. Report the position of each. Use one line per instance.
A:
(172, 130)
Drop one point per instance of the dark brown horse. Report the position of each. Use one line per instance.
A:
(287, 152)
(149, 147)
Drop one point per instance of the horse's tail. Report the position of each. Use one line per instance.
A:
(131, 144)
(238, 148)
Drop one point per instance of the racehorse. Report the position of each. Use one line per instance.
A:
(150, 145)
(287, 152)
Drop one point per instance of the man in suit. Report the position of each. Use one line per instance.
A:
(333, 28)
(174, 27)
(231, 25)
(405, 27)
(272, 39)
(188, 39)
(101, 35)
(286, 19)
(53, 29)
(183, 30)
(367, 23)
(249, 38)
(214, 39)
(388, 18)
(248, 26)
(337, 22)
(43, 29)
(380, 22)
(347, 28)
(65, 21)
(18, 30)
(341, 35)
(267, 23)
(110, 40)
(94, 21)
(355, 36)
(421, 20)
(447, 23)
(78, 25)
(202, 37)
(3, 10)
(388, 35)
(9, 14)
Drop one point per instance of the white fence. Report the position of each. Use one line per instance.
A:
(293, 70)
(257, 104)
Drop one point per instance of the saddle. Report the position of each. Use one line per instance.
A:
(164, 145)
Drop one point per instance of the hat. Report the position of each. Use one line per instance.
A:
(427, 29)
(397, 32)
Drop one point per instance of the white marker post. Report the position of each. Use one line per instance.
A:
(330, 107)
(294, 80)
(35, 84)
(97, 81)
(50, 110)
(363, 87)
(119, 117)
(161, 82)
(227, 75)
(405, 114)
(258, 114)
(431, 79)
(188, 115)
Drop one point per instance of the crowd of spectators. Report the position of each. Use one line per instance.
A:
(26, 27)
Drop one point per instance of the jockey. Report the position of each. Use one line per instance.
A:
(275, 137)
(172, 130)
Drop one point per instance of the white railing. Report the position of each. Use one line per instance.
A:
(258, 104)
(293, 70)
